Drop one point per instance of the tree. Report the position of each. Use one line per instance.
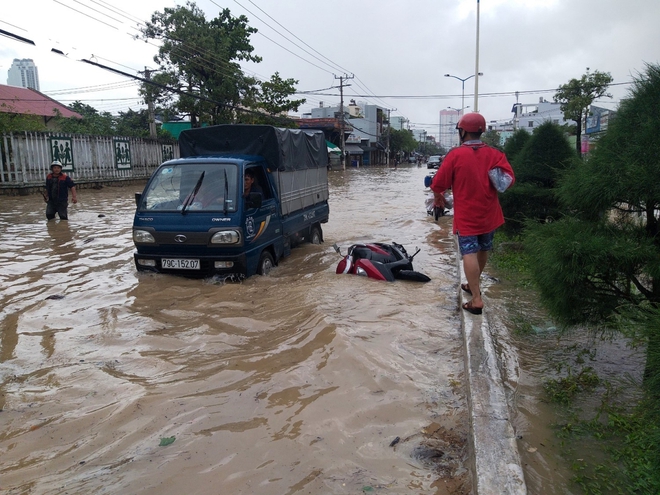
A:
(14, 122)
(516, 143)
(274, 98)
(93, 122)
(601, 263)
(604, 260)
(577, 95)
(199, 74)
(492, 138)
(401, 140)
(133, 124)
(538, 167)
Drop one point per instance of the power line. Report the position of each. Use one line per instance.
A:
(86, 15)
(91, 89)
(317, 58)
(446, 96)
(359, 83)
(96, 10)
(186, 93)
(116, 10)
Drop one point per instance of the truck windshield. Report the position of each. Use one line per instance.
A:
(178, 188)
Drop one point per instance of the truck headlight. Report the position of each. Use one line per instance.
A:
(143, 237)
(226, 237)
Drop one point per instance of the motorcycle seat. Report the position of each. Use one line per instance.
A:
(363, 252)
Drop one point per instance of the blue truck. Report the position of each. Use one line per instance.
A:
(194, 217)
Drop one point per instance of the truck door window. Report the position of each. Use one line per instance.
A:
(259, 184)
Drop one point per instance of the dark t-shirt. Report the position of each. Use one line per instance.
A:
(58, 187)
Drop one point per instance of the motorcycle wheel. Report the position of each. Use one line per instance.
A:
(412, 276)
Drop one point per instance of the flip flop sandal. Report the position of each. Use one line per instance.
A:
(466, 288)
(470, 309)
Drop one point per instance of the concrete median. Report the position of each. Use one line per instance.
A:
(493, 448)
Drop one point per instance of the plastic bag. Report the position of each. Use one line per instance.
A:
(500, 179)
(449, 199)
(428, 202)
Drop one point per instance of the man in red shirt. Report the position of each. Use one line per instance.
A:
(477, 211)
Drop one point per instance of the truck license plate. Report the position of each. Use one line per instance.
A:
(180, 264)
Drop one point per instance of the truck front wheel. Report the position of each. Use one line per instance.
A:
(316, 236)
(266, 263)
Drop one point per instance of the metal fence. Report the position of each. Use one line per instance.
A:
(26, 157)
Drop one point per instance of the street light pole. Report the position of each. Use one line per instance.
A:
(476, 67)
(463, 88)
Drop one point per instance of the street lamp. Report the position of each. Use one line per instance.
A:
(462, 88)
(459, 110)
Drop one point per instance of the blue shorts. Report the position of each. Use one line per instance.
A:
(471, 244)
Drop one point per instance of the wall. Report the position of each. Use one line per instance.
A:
(89, 160)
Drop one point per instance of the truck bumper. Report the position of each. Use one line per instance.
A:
(205, 266)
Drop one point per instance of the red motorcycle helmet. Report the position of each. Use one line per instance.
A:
(472, 122)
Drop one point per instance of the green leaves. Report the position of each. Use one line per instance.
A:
(199, 72)
(576, 96)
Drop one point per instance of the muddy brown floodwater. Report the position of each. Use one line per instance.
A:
(298, 382)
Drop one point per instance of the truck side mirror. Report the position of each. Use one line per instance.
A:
(253, 200)
(138, 197)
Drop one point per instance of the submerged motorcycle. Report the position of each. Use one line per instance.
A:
(380, 261)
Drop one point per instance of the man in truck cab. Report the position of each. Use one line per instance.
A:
(250, 183)
(250, 187)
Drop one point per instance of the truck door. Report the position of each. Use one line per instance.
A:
(262, 223)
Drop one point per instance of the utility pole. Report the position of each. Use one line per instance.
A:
(515, 116)
(341, 115)
(476, 68)
(150, 107)
(389, 131)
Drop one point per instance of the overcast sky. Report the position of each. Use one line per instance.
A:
(398, 51)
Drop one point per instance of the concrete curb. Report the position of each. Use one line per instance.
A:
(494, 451)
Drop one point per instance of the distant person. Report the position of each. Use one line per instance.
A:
(56, 194)
(477, 211)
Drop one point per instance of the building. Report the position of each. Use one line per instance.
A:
(398, 123)
(531, 115)
(32, 103)
(448, 136)
(364, 145)
(23, 73)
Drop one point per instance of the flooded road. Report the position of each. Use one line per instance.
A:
(298, 382)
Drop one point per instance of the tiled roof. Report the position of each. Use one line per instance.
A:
(29, 101)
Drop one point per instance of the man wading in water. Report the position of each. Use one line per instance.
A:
(56, 194)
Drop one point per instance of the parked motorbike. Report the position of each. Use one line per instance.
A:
(380, 261)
